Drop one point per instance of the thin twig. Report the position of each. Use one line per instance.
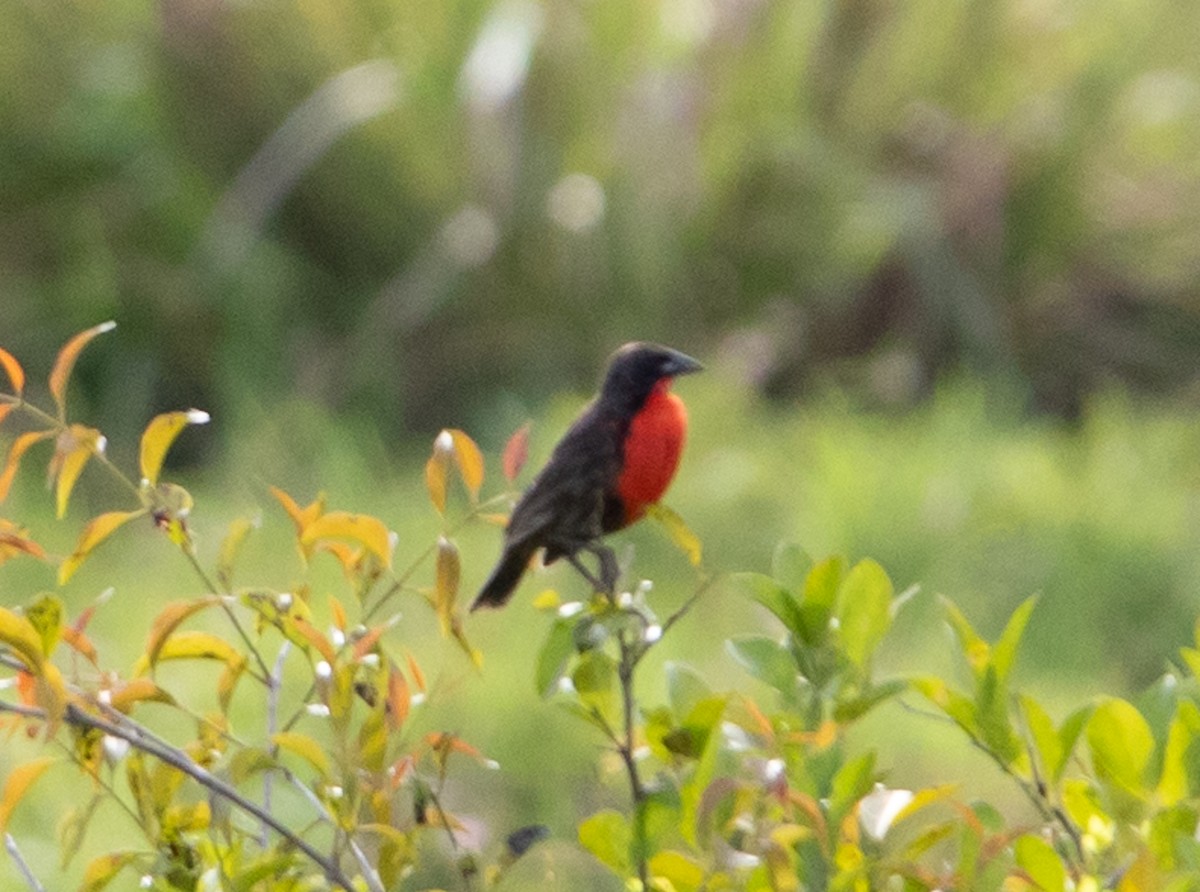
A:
(142, 739)
(274, 683)
(631, 654)
(15, 853)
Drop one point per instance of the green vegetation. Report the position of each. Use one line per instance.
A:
(829, 682)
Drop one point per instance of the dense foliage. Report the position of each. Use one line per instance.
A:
(326, 198)
(306, 764)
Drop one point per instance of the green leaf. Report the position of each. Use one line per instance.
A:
(790, 566)
(995, 724)
(1046, 743)
(1069, 733)
(685, 689)
(770, 594)
(684, 874)
(1181, 755)
(975, 650)
(864, 610)
(853, 781)
(855, 708)
(608, 836)
(1121, 745)
(766, 660)
(1039, 860)
(953, 703)
(595, 678)
(1005, 651)
(553, 657)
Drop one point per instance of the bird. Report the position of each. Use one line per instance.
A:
(615, 461)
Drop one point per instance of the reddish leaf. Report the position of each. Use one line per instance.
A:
(61, 373)
(313, 636)
(516, 451)
(79, 642)
(338, 612)
(16, 374)
(13, 542)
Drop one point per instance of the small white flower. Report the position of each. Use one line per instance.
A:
(286, 600)
(115, 748)
(336, 637)
(320, 710)
(198, 416)
(324, 671)
(104, 697)
(653, 632)
(570, 609)
(444, 442)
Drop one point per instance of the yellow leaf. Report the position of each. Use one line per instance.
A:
(45, 614)
(65, 362)
(19, 447)
(97, 530)
(338, 612)
(685, 540)
(168, 620)
(22, 638)
(50, 695)
(16, 374)
(72, 449)
(370, 532)
(138, 690)
(306, 748)
(516, 451)
(101, 870)
(231, 547)
(191, 645)
(469, 460)
(19, 781)
(436, 468)
(446, 586)
(158, 436)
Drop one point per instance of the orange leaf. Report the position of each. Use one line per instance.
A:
(301, 517)
(516, 451)
(5, 408)
(367, 642)
(158, 436)
(367, 531)
(13, 369)
(313, 636)
(97, 530)
(417, 674)
(168, 620)
(79, 642)
(61, 373)
(13, 542)
(399, 699)
(446, 590)
(469, 460)
(19, 781)
(72, 449)
(19, 447)
(338, 612)
(436, 468)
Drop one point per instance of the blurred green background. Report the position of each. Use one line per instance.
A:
(940, 258)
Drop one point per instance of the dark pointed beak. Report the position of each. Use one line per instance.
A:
(682, 364)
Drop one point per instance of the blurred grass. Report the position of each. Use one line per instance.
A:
(964, 495)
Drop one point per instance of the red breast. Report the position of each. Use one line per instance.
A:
(652, 450)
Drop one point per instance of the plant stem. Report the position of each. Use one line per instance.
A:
(142, 739)
(15, 853)
(631, 654)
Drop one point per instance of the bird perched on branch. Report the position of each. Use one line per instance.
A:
(616, 460)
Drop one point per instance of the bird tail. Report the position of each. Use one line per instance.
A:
(503, 581)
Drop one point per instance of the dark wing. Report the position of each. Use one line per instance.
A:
(563, 508)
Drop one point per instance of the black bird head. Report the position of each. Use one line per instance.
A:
(636, 368)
